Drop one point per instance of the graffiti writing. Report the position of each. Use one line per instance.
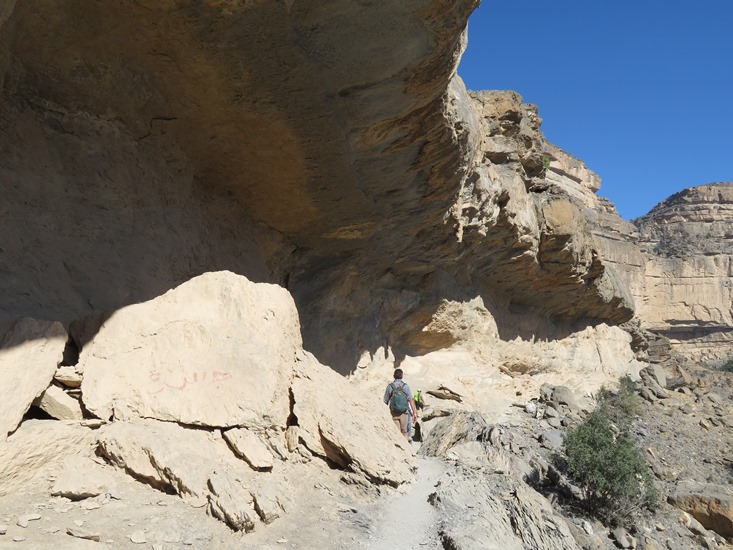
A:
(173, 381)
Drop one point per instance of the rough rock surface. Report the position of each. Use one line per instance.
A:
(29, 354)
(58, 404)
(504, 513)
(710, 504)
(360, 180)
(688, 245)
(216, 351)
(328, 147)
(233, 357)
(35, 445)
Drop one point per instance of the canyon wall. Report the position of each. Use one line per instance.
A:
(328, 147)
(687, 244)
(305, 144)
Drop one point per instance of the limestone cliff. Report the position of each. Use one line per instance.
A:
(687, 244)
(327, 146)
(209, 206)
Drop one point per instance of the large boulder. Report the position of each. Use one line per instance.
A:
(350, 428)
(195, 464)
(503, 513)
(29, 355)
(710, 504)
(216, 351)
(36, 446)
(221, 351)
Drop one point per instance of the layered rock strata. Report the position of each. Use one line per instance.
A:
(687, 244)
(205, 392)
(307, 144)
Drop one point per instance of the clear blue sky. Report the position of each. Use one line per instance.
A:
(641, 90)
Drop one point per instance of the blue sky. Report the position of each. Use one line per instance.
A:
(641, 90)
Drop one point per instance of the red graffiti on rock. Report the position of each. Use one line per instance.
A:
(180, 382)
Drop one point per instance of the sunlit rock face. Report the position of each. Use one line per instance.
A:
(327, 146)
(689, 276)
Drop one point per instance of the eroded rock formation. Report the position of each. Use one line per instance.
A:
(307, 144)
(350, 205)
(688, 250)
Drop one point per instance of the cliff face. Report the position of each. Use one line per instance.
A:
(326, 146)
(687, 244)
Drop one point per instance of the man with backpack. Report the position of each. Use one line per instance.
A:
(399, 398)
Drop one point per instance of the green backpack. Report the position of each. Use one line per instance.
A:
(398, 402)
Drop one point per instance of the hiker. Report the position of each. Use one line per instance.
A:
(419, 401)
(401, 403)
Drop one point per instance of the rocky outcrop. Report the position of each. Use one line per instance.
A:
(372, 185)
(219, 353)
(29, 354)
(687, 244)
(217, 215)
(35, 445)
(710, 504)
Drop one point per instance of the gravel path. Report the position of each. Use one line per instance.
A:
(408, 516)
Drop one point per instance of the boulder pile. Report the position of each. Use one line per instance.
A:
(205, 392)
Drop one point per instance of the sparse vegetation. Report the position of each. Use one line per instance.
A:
(622, 405)
(546, 161)
(727, 366)
(605, 460)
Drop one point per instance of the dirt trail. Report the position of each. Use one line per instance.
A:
(408, 515)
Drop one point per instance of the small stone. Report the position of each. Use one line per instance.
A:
(18, 538)
(3, 529)
(660, 527)
(78, 522)
(82, 534)
(90, 505)
(704, 423)
(621, 536)
(554, 422)
(24, 520)
(282, 541)
(138, 537)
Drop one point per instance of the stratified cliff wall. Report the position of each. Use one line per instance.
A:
(688, 246)
(327, 146)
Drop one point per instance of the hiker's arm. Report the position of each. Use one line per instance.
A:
(414, 410)
(387, 395)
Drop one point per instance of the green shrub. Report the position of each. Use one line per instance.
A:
(610, 469)
(620, 406)
(727, 366)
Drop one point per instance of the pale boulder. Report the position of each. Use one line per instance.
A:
(59, 405)
(29, 354)
(229, 502)
(166, 455)
(216, 351)
(82, 478)
(36, 446)
(195, 464)
(248, 446)
(352, 428)
(504, 513)
(67, 376)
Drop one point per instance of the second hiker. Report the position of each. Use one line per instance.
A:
(399, 398)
